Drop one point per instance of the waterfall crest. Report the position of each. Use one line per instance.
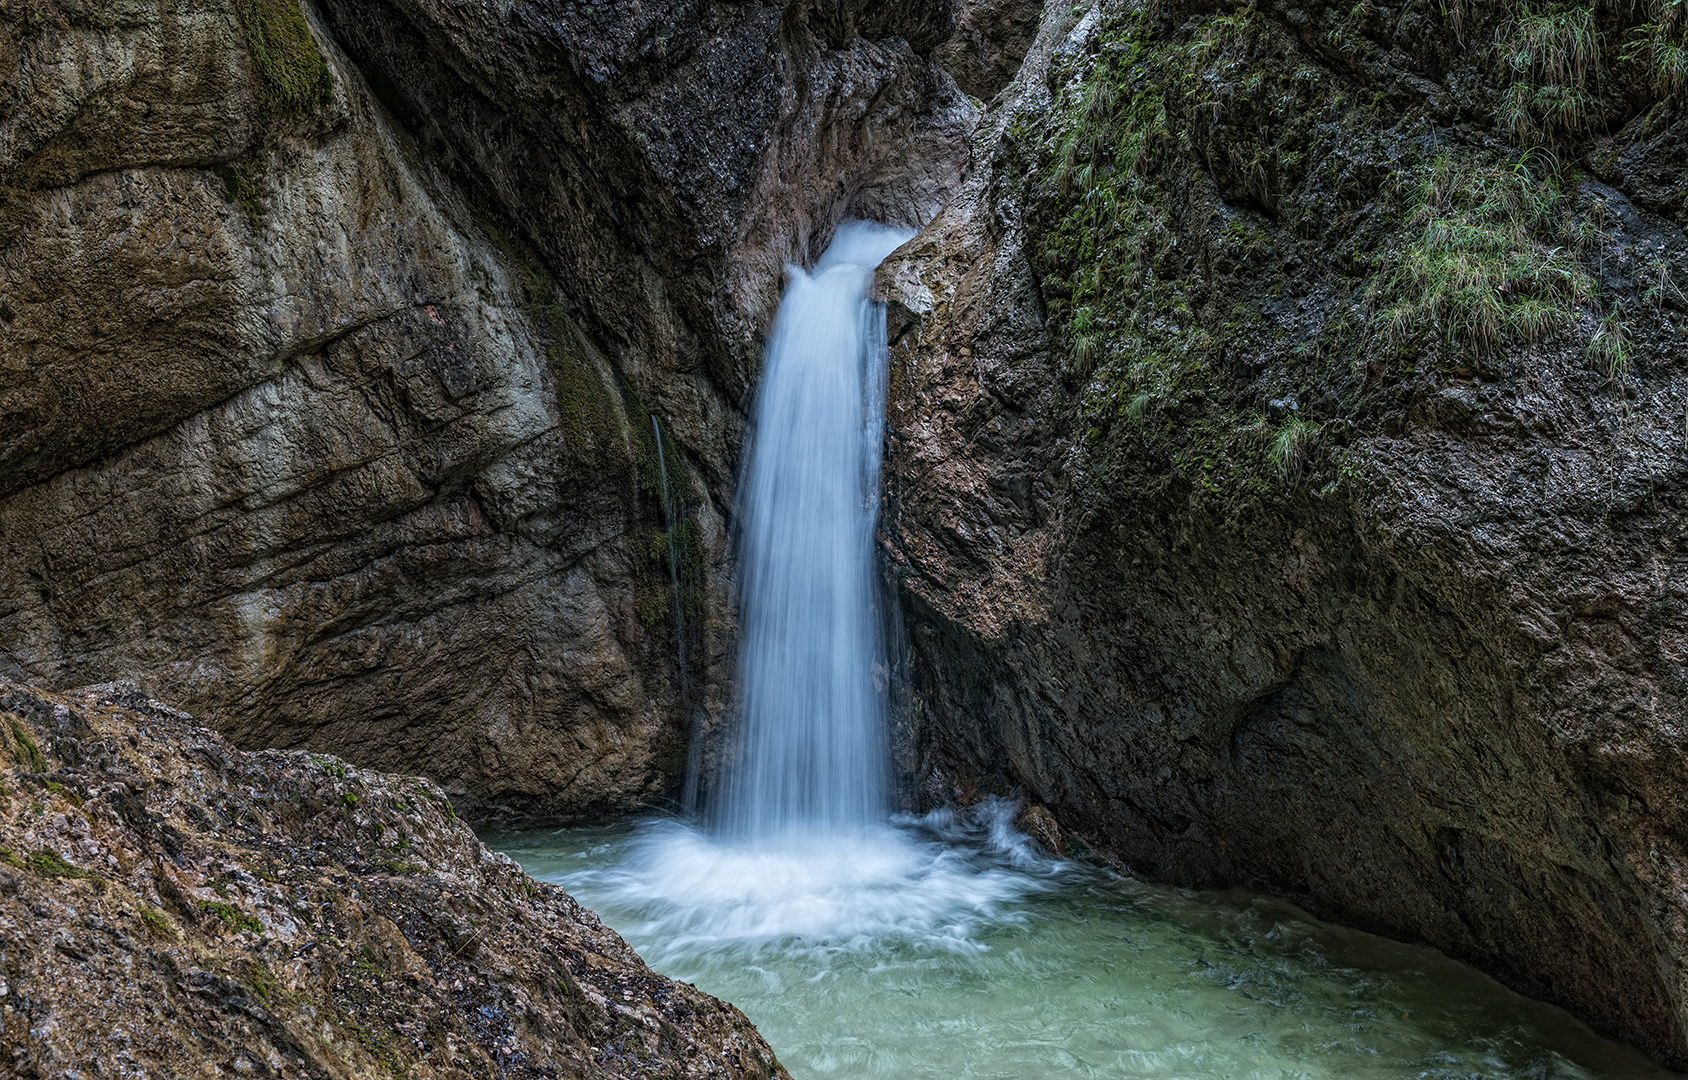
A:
(810, 752)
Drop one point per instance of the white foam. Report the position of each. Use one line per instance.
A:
(932, 882)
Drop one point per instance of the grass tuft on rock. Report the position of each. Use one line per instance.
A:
(158, 924)
(49, 864)
(1612, 346)
(28, 754)
(1289, 444)
(1487, 265)
(1554, 54)
(231, 916)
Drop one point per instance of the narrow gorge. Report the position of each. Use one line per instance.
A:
(1256, 466)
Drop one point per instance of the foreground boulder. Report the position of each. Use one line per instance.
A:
(171, 906)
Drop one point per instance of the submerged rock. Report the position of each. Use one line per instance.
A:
(170, 905)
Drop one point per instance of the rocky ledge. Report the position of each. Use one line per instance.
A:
(171, 906)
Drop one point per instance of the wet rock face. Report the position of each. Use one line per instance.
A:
(1249, 584)
(284, 914)
(990, 41)
(327, 368)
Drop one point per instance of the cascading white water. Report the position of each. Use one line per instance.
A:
(803, 852)
(810, 753)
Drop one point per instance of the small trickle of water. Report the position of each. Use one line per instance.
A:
(671, 520)
(810, 753)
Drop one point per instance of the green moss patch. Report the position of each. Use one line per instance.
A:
(27, 753)
(64, 793)
(243, 191)
(49, 864)
(157, 923)
(231, 916)
(296, 78)
(1250, 254)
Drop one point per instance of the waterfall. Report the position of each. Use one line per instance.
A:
(800, 846)
(810, 752)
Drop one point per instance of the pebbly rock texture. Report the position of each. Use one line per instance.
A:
(170, 905)
(331, 338)
(1285, 474)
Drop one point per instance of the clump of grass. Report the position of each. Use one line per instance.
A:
(1554, 54)
(1086, 339)
(263, 983)
(1482, 269)
(1660, 44)
(1612, 346)
(1288, 446)
(158, 924)
(64, 793)
(231, 916)
(49, 864)
(295, 76)
(28, 754)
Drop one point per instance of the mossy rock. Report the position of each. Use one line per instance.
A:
(295, 76)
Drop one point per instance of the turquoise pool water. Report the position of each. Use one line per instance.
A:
(949, 947)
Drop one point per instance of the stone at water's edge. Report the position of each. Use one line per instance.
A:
(173, 905)
(1430, 681)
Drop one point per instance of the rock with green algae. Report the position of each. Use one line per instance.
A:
(172, 906)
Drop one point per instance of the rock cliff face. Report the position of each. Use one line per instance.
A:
(331, 338)
(1285, 472)
(172, 906)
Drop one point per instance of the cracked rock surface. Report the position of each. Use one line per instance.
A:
(173, 906)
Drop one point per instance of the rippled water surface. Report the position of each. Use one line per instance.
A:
(948, 948)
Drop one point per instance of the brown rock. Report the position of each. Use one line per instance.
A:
(171, 904)
(1039, 824)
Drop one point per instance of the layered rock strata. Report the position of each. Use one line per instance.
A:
(170, 905)
(1285, 475)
